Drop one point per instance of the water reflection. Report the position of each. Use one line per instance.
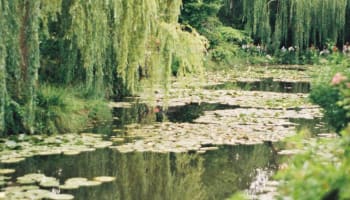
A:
(267, 84)
(158, 176)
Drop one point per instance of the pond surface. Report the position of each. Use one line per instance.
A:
(192, 174)
(157, 176)
(267, 84)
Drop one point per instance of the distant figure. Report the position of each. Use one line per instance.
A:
(346, 48)
(324, 52)
(335, 49)
(283, 49)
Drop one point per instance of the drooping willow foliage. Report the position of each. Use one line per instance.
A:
(105, 47)
(292, 22)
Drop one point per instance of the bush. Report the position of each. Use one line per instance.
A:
(328, 97)
(59, 111)
(331, 97)
(322, 172)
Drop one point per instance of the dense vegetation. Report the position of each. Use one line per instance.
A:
(85, 46)
(61, 59)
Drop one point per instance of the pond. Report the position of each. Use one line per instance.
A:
(266, 84)
(206, 149)
(212, 175)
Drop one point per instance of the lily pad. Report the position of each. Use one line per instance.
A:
(76, 181)
(49, 182)
(91, 183)
(7, 171)
(103, 144)
(71, 152)
(31, 178)
(104, 179)
(12, 160)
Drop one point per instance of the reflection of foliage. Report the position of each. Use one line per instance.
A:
(234, 166)
(190, 112)
(138, 113)
(156, 176)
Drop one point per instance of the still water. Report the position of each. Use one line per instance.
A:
(159, 176)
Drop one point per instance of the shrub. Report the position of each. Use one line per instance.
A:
(59, 110)
(332, 97)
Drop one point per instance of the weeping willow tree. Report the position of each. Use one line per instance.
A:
(2, 71)
(104, 47)
(292, 22)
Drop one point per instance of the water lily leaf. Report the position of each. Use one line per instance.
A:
(91, 183)
(49, 182)
(76, 181)
(71, 152)
(11, 144)
(103, 144)
(7, 171)
(12, 160)
(105, 179)
(31, 178)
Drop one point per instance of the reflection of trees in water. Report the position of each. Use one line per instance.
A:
(138, 113)
(233, 168)
(158, 176)
(155, 176)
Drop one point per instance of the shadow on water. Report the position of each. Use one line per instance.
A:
(140, 113)
(157, 176)
(314, 126)
(265, 85)
(190, 112)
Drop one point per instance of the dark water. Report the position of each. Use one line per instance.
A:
(141, 113)
(314, 126)
(266, 85)
(190, 112)
(158, 176)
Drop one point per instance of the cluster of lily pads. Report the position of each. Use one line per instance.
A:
(17, 149)
(219, 127)
(288, 73)
(260, 116)
(39, 186)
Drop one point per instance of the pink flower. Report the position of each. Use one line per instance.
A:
(338, 78)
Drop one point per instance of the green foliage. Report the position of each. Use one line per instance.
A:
(200, 14)
(60, 110)
(238, 196)
(328, 96)
(2, 73)
(322, 172)
(103, 47)
(290, 23)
